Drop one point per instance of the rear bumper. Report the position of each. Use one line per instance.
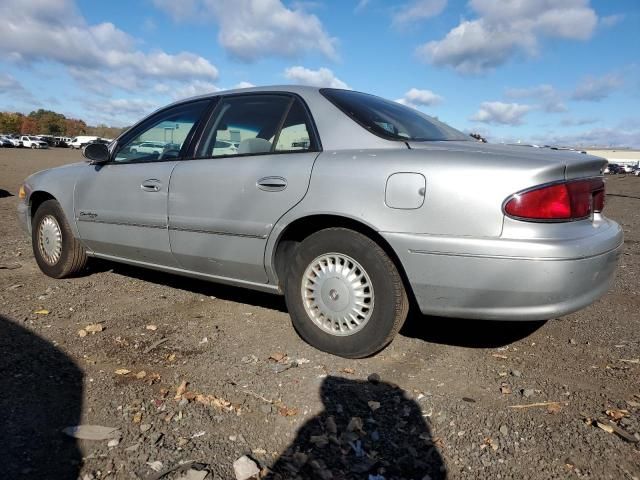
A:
(506, 279)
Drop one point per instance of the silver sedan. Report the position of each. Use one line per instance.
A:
(350, 205)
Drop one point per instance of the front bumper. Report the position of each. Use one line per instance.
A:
(24, 217)
(508, 279)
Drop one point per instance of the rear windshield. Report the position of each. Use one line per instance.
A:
(389, 119)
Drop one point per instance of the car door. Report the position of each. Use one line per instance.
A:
(121, 206)
(224, 203)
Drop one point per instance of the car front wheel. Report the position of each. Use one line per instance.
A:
(58, 253)
(344, 294)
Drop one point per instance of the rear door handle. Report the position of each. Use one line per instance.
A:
(151, 185)
(272, 184)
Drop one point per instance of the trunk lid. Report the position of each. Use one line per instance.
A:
(577, 165)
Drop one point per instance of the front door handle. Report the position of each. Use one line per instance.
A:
(272, 184)
(151, 185)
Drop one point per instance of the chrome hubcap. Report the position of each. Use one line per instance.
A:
(337, 294)
(50, 239)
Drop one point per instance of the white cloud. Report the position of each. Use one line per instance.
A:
(611, 20)
(575, 122)
(17, 93)
(549, 98)
(54, 31)
(193, 89)
(323, 77)
(501, 113)
(418, 10)
(9, 85)
(119, 112)
(362, 4)
(604, 137)
(594, 89)
(244, 85)
(252, 29)
(506, 29)
(415, 98)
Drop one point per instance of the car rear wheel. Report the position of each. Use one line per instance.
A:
(58, 253)
(344, 294)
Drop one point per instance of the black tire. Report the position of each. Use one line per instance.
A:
(73, 257)
(33, 147)
(390, 306)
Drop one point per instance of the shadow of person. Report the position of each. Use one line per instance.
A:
(367, 430)
(41, 394)
(4, 193)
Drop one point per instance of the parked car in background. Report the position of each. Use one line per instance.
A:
(613, 169)
(61, 142)
(46, 138)
(81, 140)
(15, 139)
(147, 147)
(224, 148)
(371, 212)
(628, 168)
(5, 142)
(31, 141)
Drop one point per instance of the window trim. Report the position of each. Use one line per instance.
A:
(150, 119)
(314, 137)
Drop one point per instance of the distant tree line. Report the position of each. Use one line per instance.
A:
(47, 122)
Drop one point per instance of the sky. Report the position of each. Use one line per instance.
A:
(534, 71)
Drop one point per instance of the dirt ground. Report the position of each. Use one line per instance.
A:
(440, 402)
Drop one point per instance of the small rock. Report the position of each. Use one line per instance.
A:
(182, 442)
(153, 328)
(155, 466)
(245, 468)
(82, 333)
(145, 427)
(504, 430)
(132, 448)
(527, 392)
(94, 328)
(516, 373)
(374, 378)
(572, 341)
(113, 442)
(278, 356)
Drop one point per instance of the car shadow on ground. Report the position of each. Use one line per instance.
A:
(446, 331)
(202, 287)
(5, 194)
(465, 332)
(41, 394)
(366, 430)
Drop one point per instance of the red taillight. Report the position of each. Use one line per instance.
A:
(560, 201)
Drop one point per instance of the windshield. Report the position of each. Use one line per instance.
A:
(389, 119)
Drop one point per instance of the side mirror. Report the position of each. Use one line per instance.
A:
(96, 152)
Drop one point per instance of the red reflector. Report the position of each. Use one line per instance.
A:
(561, 201)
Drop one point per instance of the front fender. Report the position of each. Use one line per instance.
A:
(60, 183)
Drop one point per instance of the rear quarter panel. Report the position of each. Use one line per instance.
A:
(463, 196)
